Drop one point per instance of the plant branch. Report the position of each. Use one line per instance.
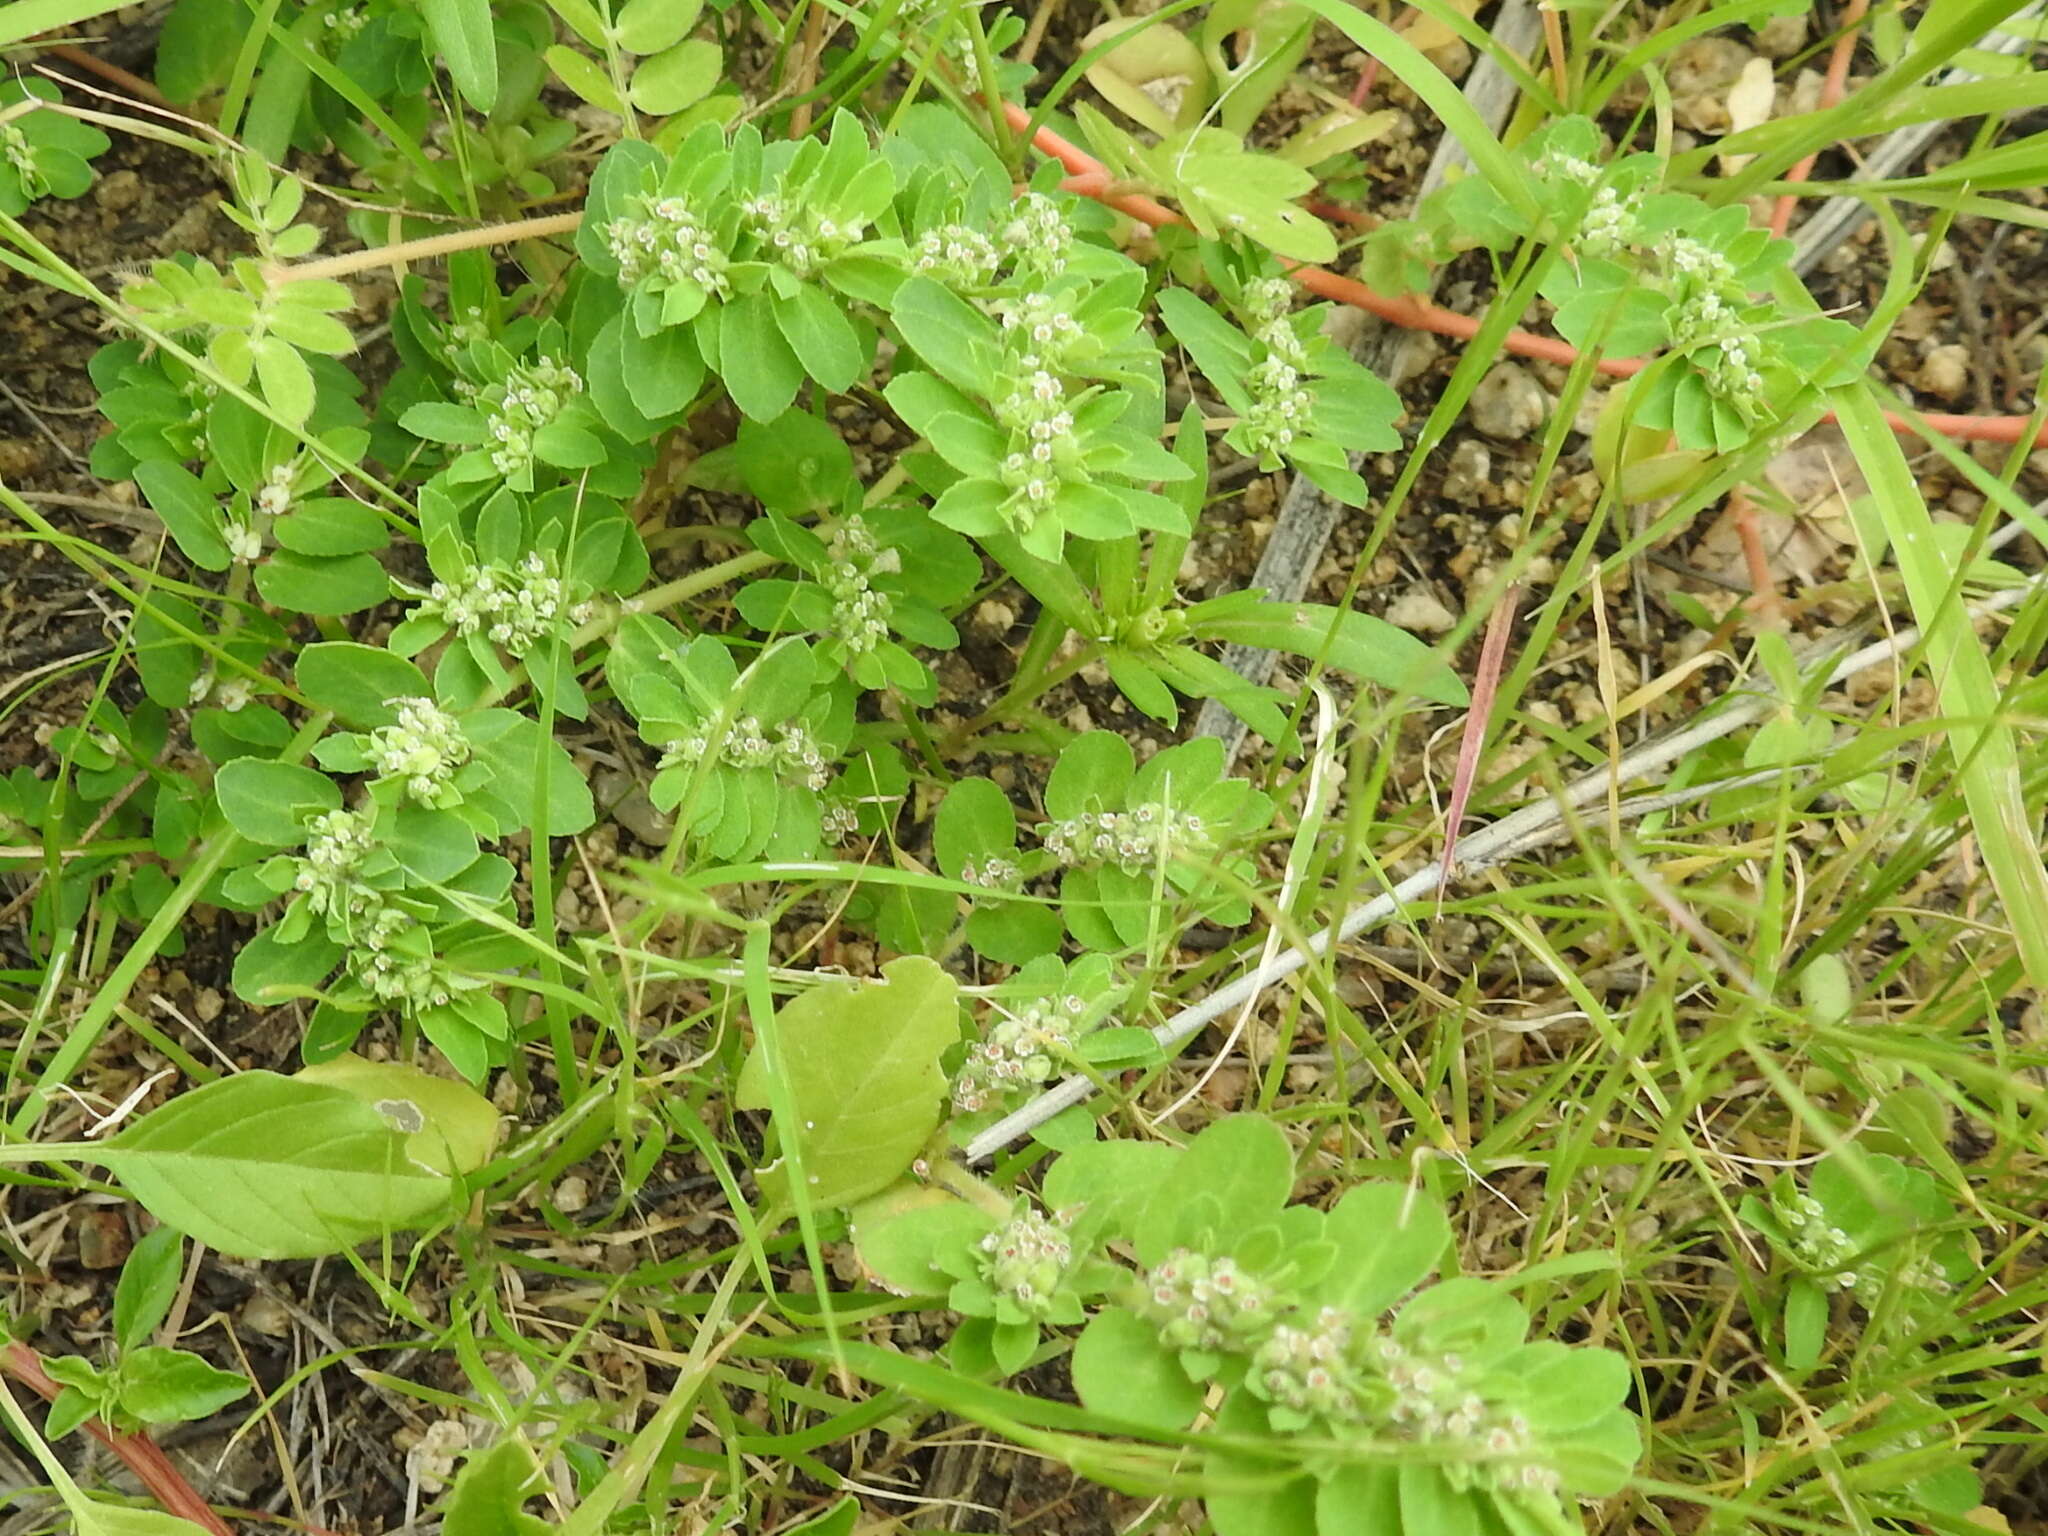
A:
(1416, 315)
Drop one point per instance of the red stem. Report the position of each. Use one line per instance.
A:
(143, 1456)
(1830, 95)
(1088, 175)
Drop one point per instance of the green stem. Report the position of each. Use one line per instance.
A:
(1020, 695)
(1007, 144)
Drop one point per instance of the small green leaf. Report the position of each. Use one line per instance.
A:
(586, 78)
(310, 584)
(673, 80)
(147, 1287)
(491, 1489)
(649, 26)
(172, 1386)
(285, 381)
(189, 511)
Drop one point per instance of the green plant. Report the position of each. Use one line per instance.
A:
(146, 1383)
(43, 153)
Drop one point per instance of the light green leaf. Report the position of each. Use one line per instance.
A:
(462, 33)
(585, 78)
(268, 802)
(649, 26)
(859, 1063)
(356, 682)
(447, 1125)
(266, 1167)
(671, 81)
(285, 381)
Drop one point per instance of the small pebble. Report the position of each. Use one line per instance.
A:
(1421, 612)
(1509, 404)
(572, 1194)
(1945, 372)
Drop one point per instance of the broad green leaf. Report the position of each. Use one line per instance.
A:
(268, 802)
(448, 1125)
(1243, 1164)
(462, 33)
(306, 584)
(1120, 1368)
(859, 1063)
(1390, 1239)
(264, 1167)
(358, 682)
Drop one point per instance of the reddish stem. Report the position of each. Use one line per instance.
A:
(1493, 652)
(113, 74)
(142, 1455)
(1830, 95)
(1417, 315)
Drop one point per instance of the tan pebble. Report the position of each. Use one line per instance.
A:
(572, 1194)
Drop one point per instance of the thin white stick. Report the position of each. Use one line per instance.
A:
(1501, 840)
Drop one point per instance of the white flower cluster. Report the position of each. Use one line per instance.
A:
(1042, 445)
(394, 971)
(860, 614)
(1039, 330)
(1609, 224)
(245, 544)
(1132, 840)
(1200, 1302)
(956, 255)
(20, 158)
(995, 873)
(666, 240)
(1026, 1259)
(513, 606)
(346, 22)
(532, 395)
(838, 821)
(747, 744)
(274, 496)
(1819, 1245)
(1433, 1398)
(1280, 400)
(1037, 234)
(329, 873)
(422, 748)
(1020, 1051)
(801, 240)
(1305, 1368)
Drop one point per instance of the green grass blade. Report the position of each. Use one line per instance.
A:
(1986, 753)
(1440, 95)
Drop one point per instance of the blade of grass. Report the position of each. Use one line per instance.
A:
(1987, 755)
